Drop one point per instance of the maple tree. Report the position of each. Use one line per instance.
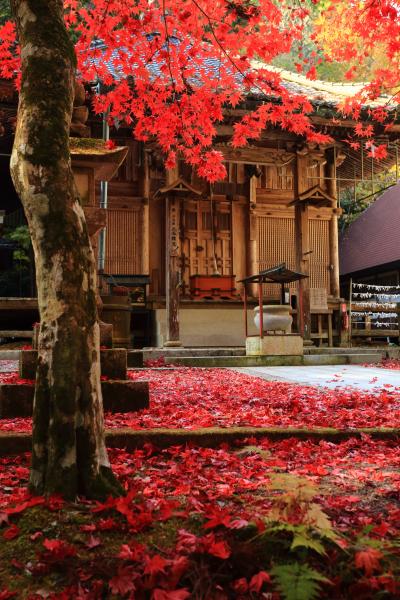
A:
(352, 31)
(169, 68)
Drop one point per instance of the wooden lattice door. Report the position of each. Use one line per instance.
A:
(123, 241)
(199, 222)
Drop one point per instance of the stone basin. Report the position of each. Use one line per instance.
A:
(276, 317)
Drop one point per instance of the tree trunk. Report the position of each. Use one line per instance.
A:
(69, 456)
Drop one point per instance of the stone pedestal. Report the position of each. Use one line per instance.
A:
(120, 394)
(106, 334)
(275, 345)
(16, 400)
(113, 363)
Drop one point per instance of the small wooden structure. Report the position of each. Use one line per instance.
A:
(279, 274)
(175, 189)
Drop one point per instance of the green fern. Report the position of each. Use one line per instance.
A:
(298, 582)
(304, 539)
(303, 536)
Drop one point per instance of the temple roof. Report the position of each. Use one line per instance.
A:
(321, 92)
(317, 91)
(373, 239)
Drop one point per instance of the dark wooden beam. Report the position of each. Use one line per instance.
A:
(172, 270)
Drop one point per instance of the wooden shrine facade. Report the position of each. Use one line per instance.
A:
(247, 224)
(276, 205)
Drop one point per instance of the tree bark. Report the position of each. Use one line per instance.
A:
(69, 456)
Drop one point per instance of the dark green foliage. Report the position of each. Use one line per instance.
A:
(5, 11)
(18, 280)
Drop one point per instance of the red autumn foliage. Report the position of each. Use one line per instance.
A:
(187, 66)
(189, 62)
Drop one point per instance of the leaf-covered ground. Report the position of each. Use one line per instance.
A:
(390, 363)
(192, 398)
(214, 524)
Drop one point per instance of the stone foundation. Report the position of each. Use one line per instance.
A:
(275, 345)
(207, 326)
(135, 358)
(16, 400)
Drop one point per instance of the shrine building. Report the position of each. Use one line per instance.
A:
(171, 236)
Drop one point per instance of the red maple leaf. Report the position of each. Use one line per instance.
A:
(159, 594)
(123, 582)
(258, 580)
(368, 560)
(155, 564)
(217, 517)
(132, 553)
(93, 542)
(58, 549)
(220, 549)
(11, 532)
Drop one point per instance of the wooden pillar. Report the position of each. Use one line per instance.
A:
(334, 234)
(303, 265)
(172, 264)
(301, 228)
(252, 253)
(145, 262)
(172, 270)
(334, 254)
(398, 319)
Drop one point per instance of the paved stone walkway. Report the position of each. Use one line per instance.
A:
(363, 378)
(8, 365)
(332, 376)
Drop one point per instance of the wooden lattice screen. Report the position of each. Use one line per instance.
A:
(123, 241)
(276, 244)
(319, 258)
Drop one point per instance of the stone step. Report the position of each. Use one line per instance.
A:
(273, 361)
(113, 363)
(342, 359)
(234, 361)
(9, 354)
(134, 358)
(155, 353)
(314, 350)
(16, 400)
(211, 437)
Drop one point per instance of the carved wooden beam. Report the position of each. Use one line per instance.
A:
(256, 155)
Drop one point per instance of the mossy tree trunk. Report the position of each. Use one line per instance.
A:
(69, 456)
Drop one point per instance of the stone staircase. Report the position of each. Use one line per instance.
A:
(235, 357)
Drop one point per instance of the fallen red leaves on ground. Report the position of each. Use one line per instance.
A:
(211, 497)
(192, 398)
(390, 363)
